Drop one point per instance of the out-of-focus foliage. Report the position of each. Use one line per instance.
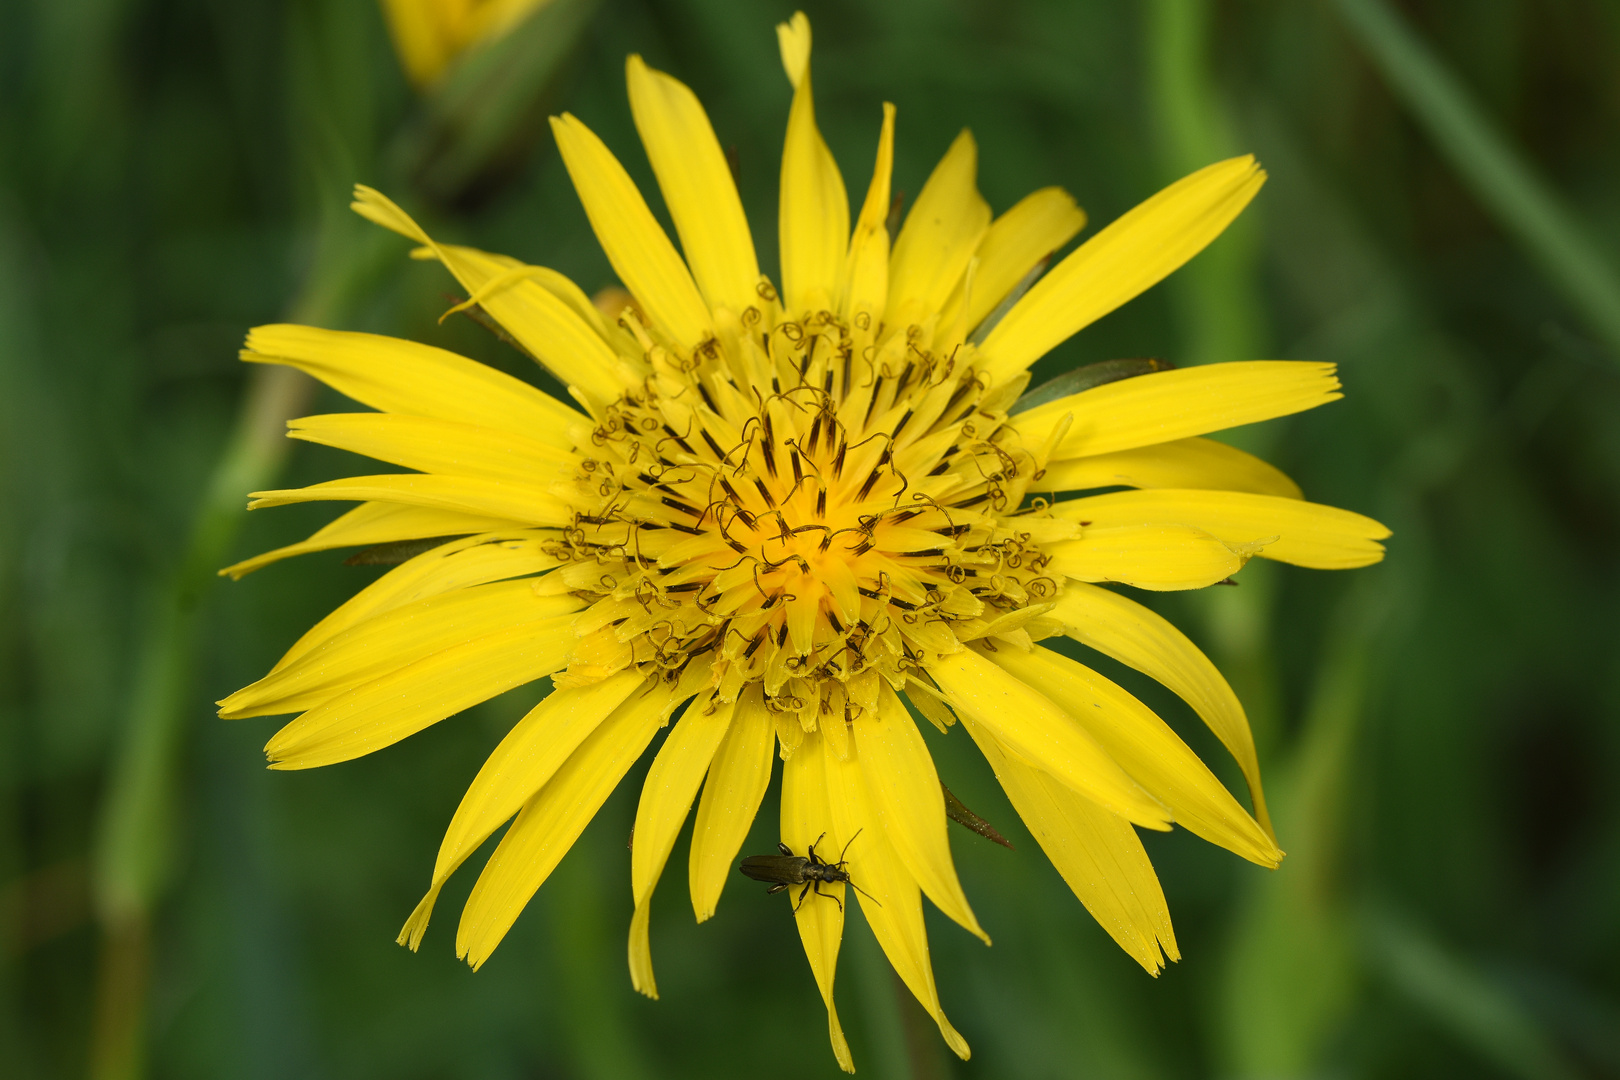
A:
(1441, 731)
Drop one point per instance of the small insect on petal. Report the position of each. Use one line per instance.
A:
(809, 870)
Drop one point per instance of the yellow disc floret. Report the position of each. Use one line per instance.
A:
(805, 507)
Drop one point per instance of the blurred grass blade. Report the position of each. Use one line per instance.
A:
(1291, 971)
(1219, 308)
(490, 107)
(1490, 165)
(1467, 1002)
(133, 856)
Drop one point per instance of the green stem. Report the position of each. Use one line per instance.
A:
(1221, 317)
(133, 857)
(1495, 170)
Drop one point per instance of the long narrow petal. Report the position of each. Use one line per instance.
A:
(520, 766)
(738, 777)
(526, 760)
(378, 523)
(403, 702)
(666, 798)
(866, 277)
(1146, 748)
(437, 446)
(472, 495)
(1294, 531)
(910, 804)
(807, 816)
(940, 235)
(1142, 639)
(634, 242)
(1169, 405)
(552, 820)
(451, 566)
(504, 272)
(1037, 225)
(1125, 259)
(697, 186)
(1158, 557)
(814, 216)
(896, 916)
(405, 377)
(555, 333)
(1040, 731)
(1098, 854)
(393, 639)
(1185, 463)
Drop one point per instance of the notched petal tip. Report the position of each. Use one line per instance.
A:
(793, 37)
(410, 935)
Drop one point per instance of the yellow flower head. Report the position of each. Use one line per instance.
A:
(429, 34)
(793, 511)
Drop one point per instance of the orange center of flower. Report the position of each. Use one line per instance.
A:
(802, 507)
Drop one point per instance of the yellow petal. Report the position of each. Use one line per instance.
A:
(939, 237)
(1148, 750)
(1041, 733)
(631, 237)
(527, 758)
(866, 276)
(1294, 531)
(391, 640)
(545, 324)
(452, 566)
(813, 221)
(1158, 557)
(403, 702)
(806, 816)
(697, 186)
(438, 446)
(1139, 638)
(666, 798)
(1185, 463)
(738, 777)
(404, 377)
(896, 916)
(471, 495)
(793, 39)
(1125, 259)
(1037, 225)
(505, 272)
(910, 805)
(1168, 405)
(552, 820)
(529, 755)
(1098, 854)
(377, 523)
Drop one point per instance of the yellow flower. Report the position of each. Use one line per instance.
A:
(793, 512)
(428, 34)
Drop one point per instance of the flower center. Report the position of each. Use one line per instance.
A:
(805, 507)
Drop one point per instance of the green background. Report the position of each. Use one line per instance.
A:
(1438, 732)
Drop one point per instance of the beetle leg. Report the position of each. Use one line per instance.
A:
(802, 893)
(783, 848)
(831, 897)
(774, 889)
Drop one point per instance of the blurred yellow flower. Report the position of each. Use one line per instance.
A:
(793, 511)
(428, 34)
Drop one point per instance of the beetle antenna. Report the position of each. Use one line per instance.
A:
(848, 842)
(866, 894)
